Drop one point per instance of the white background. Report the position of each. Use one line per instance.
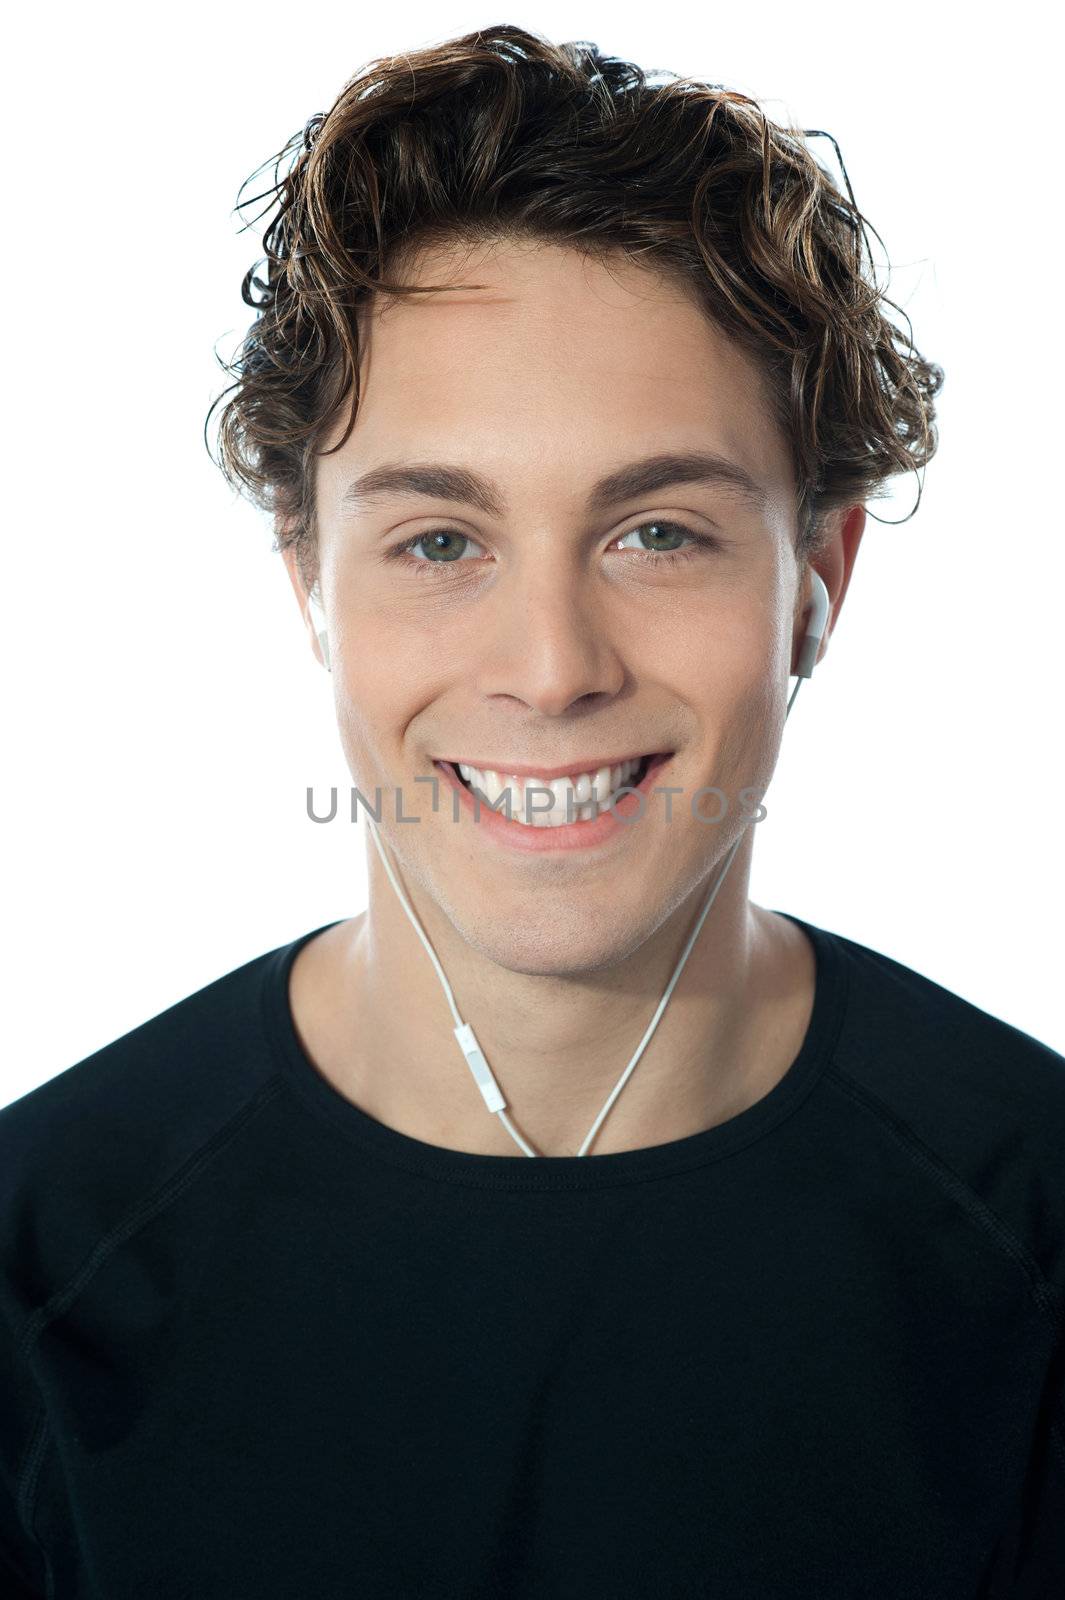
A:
(164, 711)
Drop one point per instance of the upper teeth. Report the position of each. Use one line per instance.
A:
(590, 792)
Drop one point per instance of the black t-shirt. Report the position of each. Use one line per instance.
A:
(260, 1346)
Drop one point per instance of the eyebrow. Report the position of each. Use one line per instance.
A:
(440, 481)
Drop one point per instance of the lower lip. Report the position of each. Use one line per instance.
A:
(569, 835)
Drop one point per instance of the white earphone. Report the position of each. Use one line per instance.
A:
(816, 622)
(817, 614)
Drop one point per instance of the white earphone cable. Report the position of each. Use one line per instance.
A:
(468, 1040)
(464, 1034)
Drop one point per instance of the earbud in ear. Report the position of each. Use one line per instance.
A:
(321, 631)
(816, 622)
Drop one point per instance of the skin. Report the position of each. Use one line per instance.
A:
(552, 638)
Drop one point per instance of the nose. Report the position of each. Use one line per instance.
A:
(552, 643)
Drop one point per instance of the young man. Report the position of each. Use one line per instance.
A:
(287, 1310)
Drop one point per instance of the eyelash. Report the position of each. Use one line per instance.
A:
(700, 541)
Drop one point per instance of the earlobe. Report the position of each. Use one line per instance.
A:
(317, 616)
(313, 604)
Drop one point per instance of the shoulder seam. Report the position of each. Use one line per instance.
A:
(28, 1479)
(1045, 1293)
(143, 1211)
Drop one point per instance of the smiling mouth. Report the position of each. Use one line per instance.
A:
(581, 798)
(635, 769)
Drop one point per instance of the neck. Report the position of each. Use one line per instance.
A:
(558, 1041)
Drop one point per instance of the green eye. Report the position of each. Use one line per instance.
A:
(442, 547)
(669, 530)
(437, 544)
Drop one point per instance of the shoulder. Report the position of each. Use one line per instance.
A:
(80, 1149)
(971, 1099)
(902, 1019)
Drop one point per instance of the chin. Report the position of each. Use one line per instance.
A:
(550, 943)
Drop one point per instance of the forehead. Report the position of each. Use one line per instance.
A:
(566, 352)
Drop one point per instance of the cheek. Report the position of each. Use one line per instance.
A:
(756, 726)
(383, 687)
(368, 705)
(738, 627)
(740, 657)
(743, 695)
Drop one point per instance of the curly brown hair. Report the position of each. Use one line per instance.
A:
(500, 133)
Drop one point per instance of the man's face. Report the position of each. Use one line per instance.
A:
(546, 632)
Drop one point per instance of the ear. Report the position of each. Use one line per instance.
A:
(288, 556)
(834, 564)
